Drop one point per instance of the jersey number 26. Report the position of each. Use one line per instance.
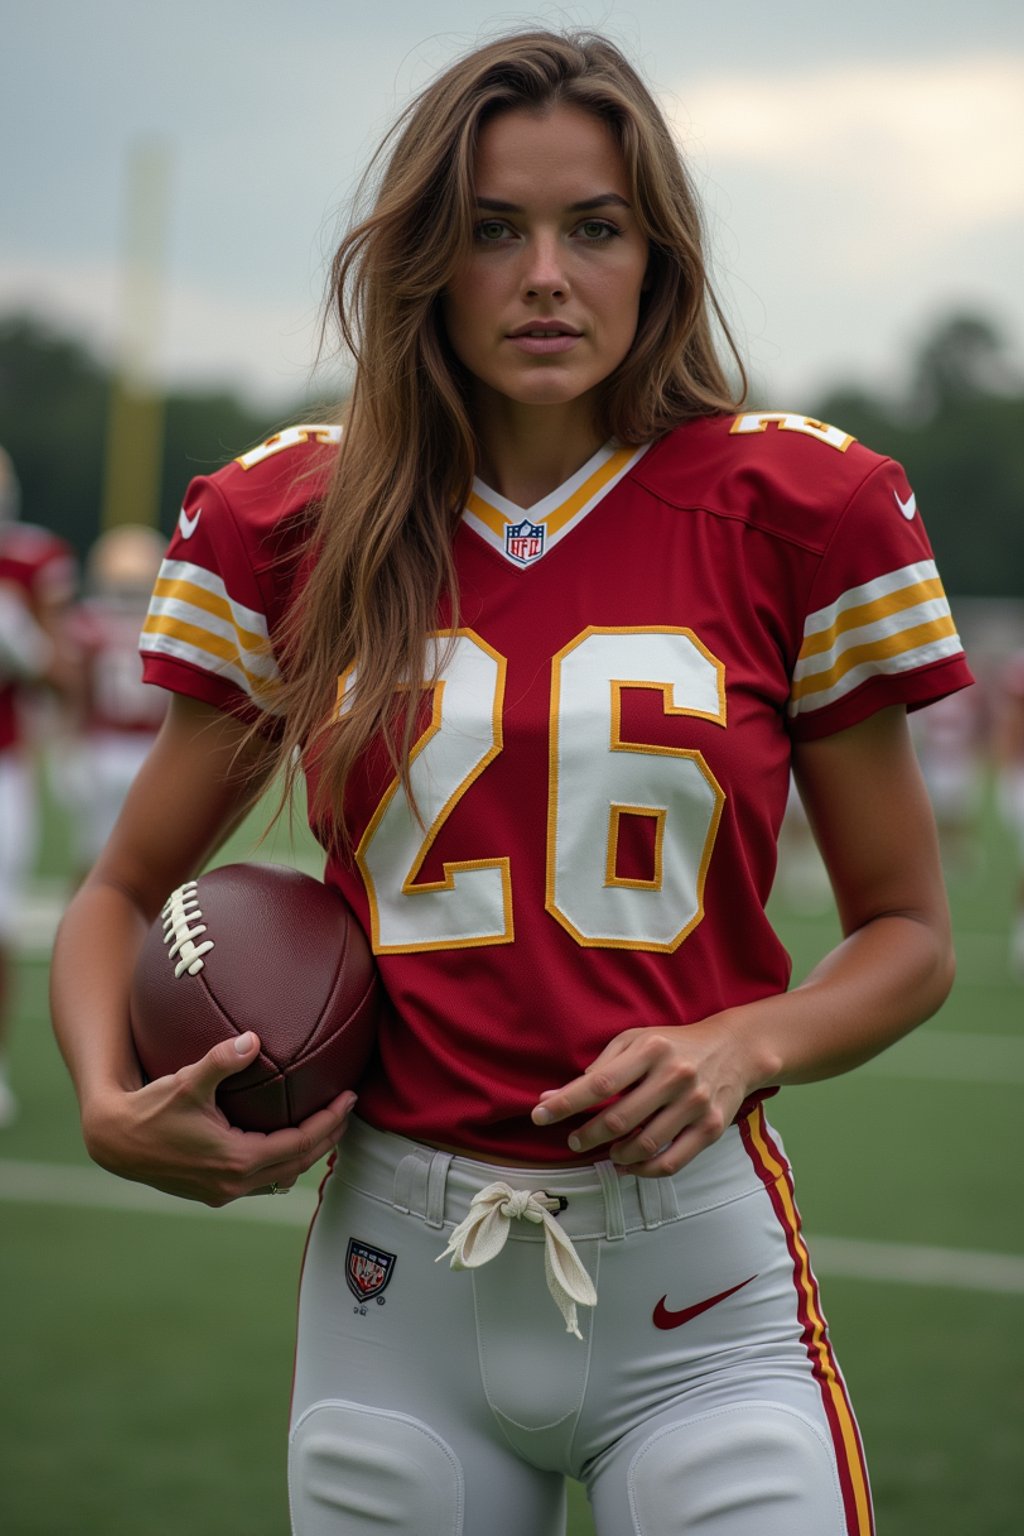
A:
(597, 777)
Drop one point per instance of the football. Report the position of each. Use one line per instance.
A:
(266, 948)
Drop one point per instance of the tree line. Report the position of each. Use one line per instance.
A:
(957, 425)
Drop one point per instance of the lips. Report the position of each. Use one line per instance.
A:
(540, 329)
(542, 338)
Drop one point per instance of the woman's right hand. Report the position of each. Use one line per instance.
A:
(202, 774)
(173, 1135)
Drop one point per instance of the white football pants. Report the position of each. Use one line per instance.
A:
(703, 1397)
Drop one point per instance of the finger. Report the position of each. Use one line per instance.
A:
(628, 1116)
(600, 1082)
(223, 1060)
(671, 1157)
(283, 1155)
(322, 1131)
(669, 1140)
(553, 1105)
(334, 1114)
(658, 1108)
(648, 1139)
(255, 1160)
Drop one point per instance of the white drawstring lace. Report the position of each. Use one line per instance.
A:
(484, 1231)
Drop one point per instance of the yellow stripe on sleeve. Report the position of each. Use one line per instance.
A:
(218, 607)
(862, 615)
(878, 656)
(218, 655)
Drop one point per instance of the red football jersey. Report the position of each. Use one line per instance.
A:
(105, 636)
(604, 767)
(37, 569)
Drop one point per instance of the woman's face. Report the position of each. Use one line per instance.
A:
(544, 306)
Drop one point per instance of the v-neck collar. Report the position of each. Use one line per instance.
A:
(522, 535)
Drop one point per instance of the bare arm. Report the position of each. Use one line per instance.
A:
(191, 791)
(679, 1086)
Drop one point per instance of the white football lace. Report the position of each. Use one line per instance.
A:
(181, 911)
(482, 1234)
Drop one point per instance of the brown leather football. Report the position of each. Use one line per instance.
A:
(266, 948)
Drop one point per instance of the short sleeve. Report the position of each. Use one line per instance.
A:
(878, 628)
(206, 634)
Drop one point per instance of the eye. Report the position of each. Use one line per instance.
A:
(598, 229)
(490, 231)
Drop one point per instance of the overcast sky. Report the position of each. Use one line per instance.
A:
(862, 165)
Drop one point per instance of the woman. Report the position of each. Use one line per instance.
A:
(627, 607)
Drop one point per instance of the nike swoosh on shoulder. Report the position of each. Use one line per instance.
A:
(188, 525)
(663, 1318)
(908, 508)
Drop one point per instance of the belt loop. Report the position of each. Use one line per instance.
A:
(411, 1185)
(658, 1201)
(611, 1188)
(649, 1191)
(437, 1178)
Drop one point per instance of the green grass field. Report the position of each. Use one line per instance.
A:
(147, 1347)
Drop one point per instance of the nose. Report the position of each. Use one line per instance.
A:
(544, 274)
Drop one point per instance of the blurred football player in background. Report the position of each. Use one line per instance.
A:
(546, 627)
(950, 740)
(1009, 740)
(37, 582)
(802, 876)
(117, 715)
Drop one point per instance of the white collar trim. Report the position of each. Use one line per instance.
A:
(522, 535)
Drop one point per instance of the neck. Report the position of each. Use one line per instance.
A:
(527, 451)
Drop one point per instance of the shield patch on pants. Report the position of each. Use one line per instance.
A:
(368, 1270)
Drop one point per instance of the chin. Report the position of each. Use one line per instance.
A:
(546, 391)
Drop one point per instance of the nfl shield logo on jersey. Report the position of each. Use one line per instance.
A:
(367, 1270)
(524, 541)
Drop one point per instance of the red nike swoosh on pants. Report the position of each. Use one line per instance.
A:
(663, 1318)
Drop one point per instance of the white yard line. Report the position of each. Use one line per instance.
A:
(960, 1269)
(955, 1056)
(74, 1185)
(845, 1258)
(42, 905)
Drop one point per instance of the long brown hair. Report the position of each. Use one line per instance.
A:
(384, 533)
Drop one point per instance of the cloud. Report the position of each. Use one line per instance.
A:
(946, 135)
(847, 205)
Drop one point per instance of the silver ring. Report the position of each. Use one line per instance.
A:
(275, 1188)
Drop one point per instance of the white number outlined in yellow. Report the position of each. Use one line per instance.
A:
(597, 774)
(789, 421)
(290, 437)
(597, 777)
(472, 904)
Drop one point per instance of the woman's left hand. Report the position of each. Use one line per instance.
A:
(663, 1094)
(673, 1091)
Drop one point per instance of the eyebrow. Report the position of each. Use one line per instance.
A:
(602, 200)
